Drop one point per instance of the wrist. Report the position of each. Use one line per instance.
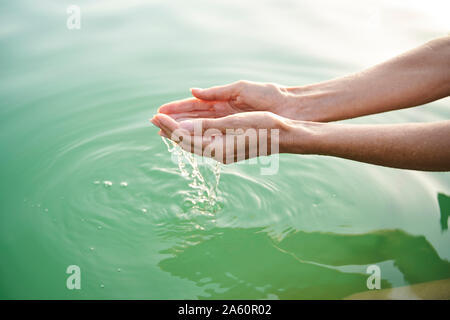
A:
(317, 102)
(301, 137)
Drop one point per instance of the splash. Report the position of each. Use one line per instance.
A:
(204, 183)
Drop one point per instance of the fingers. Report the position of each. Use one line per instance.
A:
(208, 137)
(203, 126)
(194, 115)
(203, 137)
(165, 123)
(185, 105)
(225, 92)
(195, 108)
(204, 99)
(234, 121)
(215, 148)
(195, 144)
(225, 149)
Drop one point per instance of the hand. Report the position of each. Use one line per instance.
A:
(229, 139)
(221, 101)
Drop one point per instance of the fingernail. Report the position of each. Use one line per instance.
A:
(164, 121)
(187, 125)
(155, 121)
(197, 89)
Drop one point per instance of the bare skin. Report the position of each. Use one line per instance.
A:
(413, 78)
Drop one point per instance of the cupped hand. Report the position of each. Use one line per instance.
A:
(228, 139)
(221, 101)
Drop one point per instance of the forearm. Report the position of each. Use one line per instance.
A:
(416, 77)
(417, 146)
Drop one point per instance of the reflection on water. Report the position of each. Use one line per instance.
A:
(302, 265)
(444, 205)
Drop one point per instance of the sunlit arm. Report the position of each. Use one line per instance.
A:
(417, 146)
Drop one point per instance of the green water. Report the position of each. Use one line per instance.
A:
(74, 109)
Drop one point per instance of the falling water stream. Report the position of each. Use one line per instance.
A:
(204, 193)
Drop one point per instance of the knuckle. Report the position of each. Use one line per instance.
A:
(209, 124)
(241, 83)
(272, 86)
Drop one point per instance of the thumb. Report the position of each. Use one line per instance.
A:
(223, 93)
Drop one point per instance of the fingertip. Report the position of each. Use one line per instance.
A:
(166, 121)
(197, 92)
(162, 109)
(165, 108)
(169, 107)
(154, 121)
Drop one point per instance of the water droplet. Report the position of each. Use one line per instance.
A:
(107, 183)
(96, 182)
(102, 285)
(46, 210)
(118, 270)
(124, 184)
(144, 210)
(92, 248)
(99, 227)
